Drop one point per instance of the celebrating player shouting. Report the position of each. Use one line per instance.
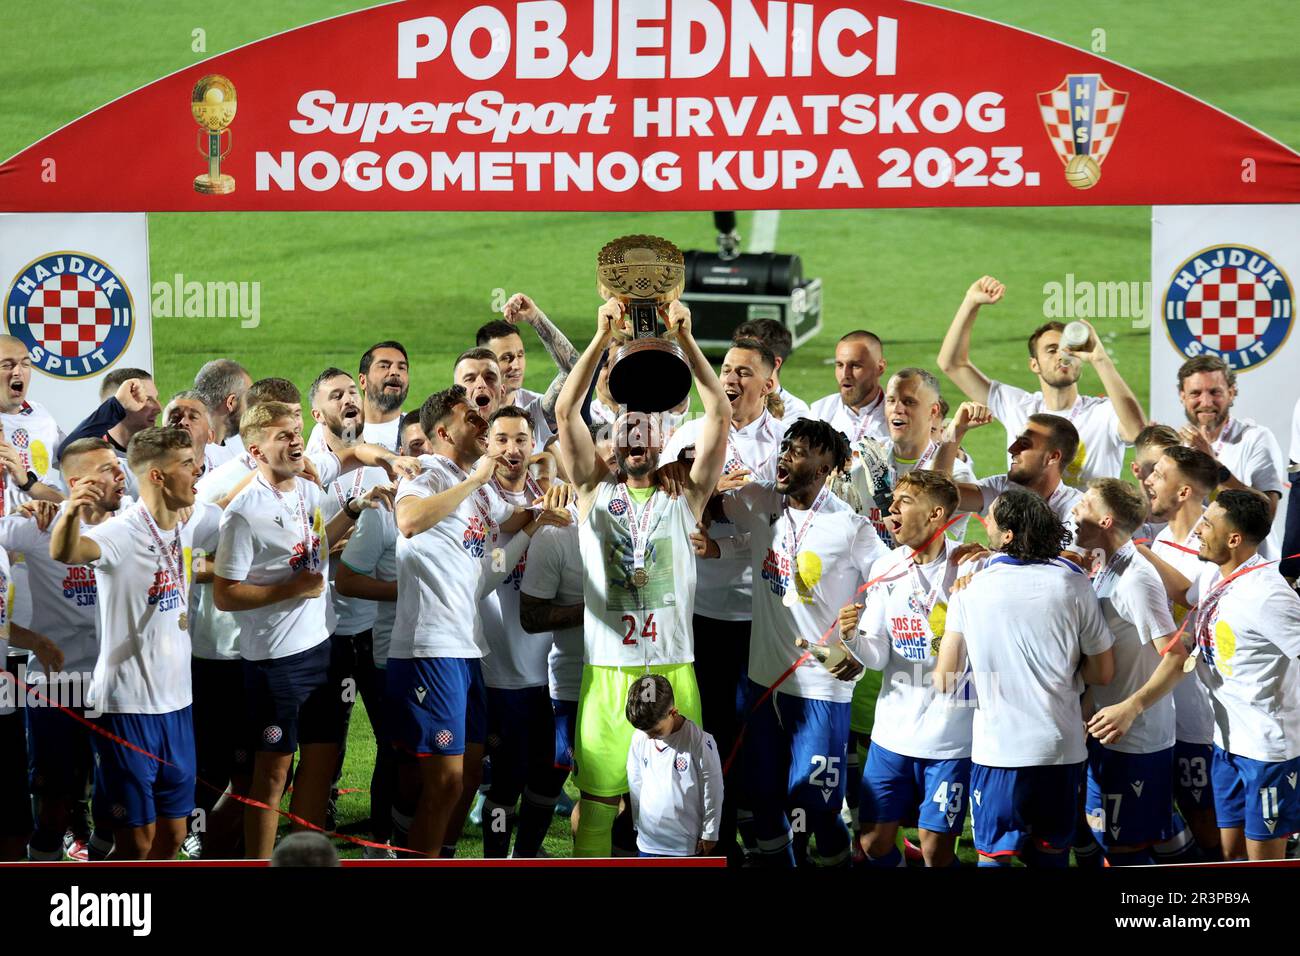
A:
(810, 553)
(141, 681)
(1105, 425)
(919, 760)
(1247, 629)
(639, 589)
(271, 571)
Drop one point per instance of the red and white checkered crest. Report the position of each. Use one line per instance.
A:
(1082, 116)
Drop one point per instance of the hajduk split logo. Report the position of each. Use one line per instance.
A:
(73, 312)
(1231, 301)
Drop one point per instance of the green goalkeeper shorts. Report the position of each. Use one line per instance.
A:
(604, 734)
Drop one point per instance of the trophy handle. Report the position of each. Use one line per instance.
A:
(201, 144)
(643, 314)
(230, 141)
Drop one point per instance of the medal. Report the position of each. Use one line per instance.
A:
(639, 530)
(793, 538)
(165, 553)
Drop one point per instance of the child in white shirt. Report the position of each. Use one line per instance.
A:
(674, 775)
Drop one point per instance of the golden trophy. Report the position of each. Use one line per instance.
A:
(649, 373)
(213, 106)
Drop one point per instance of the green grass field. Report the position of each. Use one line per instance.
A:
(332, 283)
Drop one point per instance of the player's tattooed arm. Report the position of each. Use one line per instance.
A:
(541, 615)
(954, 354)
(577, 451)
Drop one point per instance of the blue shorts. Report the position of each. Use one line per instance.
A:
(59, 754)
(795, 751)
(566, 732)
(1258, 795)
(896, 788)
(1129, 796)
(139, 789)
(1193, 785)
(436, 705)
(1011, 805)
(291, 701)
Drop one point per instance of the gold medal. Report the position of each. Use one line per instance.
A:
(184, 621)
(640, 578)
(791, 598)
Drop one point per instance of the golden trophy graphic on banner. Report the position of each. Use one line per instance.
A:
(213, 106)
(649, 373)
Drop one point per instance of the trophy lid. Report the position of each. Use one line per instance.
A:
(641, 267)
(213, 102)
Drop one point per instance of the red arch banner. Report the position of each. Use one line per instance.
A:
(666, 104)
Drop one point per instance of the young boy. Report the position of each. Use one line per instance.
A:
(674, 775)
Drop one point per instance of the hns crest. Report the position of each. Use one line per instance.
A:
(1082, 117)
(74, 313)
(1230, 301)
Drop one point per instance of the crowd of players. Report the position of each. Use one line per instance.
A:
(754, 632)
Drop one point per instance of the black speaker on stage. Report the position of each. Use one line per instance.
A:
(727, 287)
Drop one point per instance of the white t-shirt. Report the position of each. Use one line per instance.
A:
(531, 402)
(267, 537)
(353, 615)
(144, 654)
(1136, 608)
(795, 407)
(961, 471)
(1193, 713)
(215, 632)
(1252, 454)
(902, 625)
(1061, 501)
(625, 626)
(866, 422)
(517, 659)
(833, 549)
(1101, 448)
(386, 434)
(214, 455)
(725, 591)
(438, 570)
(35, 436)
(676, 789)
(554, 573)
(1027, 627)
(62, 597)
(372, 550)
(1249, 635)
